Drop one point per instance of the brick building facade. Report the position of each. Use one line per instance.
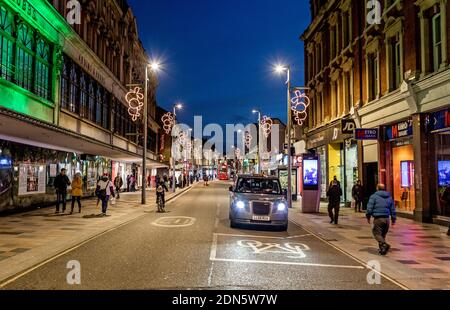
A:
(392, 76)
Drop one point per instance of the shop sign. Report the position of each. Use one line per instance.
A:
(400, 130)
(366, 134)
(438, 121)
(348, 126)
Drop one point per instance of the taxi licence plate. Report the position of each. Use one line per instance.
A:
(261, 218)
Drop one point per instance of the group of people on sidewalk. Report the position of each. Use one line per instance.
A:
(381, 207)
(105, 190)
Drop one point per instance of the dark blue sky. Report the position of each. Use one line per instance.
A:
(218, 54)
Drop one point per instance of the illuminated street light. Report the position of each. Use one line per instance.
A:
(280, 69)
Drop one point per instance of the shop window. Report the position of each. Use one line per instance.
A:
(403, 177)
(443, 173)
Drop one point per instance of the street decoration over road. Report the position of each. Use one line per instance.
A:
(168, 122)
(299, 104)
(266, 125)
(248, 139)
(135, 101)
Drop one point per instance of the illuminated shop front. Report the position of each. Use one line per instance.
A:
(338, 154)
(438, 128)
(400, 165)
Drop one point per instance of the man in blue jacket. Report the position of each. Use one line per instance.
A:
(381, 208)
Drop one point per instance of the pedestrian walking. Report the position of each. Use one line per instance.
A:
(128, 183)
(381, 208)
(104, 191)
(133, 183)
(358, 195)
(118, 183)
(205, 180)
(61, 183)
(77, 192)
(334, 194)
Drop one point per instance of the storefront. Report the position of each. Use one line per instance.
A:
(338, 155)
(27, 173)
(438, 130)
(399, 165)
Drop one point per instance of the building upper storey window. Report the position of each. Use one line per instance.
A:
(25, 56)
(433, 35)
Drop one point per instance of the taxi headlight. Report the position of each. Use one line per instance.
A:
(281, 206)
(240, 204)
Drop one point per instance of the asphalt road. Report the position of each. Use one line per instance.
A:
(193, 247)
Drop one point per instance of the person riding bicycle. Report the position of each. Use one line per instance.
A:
(161, 188)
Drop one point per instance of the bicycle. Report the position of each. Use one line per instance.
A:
(160, 204)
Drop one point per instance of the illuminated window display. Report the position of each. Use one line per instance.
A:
(403, 177)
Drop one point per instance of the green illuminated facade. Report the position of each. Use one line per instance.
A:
(30, 32)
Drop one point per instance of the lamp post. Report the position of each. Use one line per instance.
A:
(280, 69)
(258, 156)
(175, 107)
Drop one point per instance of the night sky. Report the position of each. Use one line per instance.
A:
(218, 54)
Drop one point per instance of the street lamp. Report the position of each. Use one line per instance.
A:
(280, 69)
(154, 67)
(176, 106)
(259, 139)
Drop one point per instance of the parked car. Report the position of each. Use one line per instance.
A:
(258, 200)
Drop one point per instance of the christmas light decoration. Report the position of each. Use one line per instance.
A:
(299, 105)
(135, 101)
(248, 139)
(168, 121)
(266, 125)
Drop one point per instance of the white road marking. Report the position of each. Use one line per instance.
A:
(232, 260)
(253, 236)
(174, 221)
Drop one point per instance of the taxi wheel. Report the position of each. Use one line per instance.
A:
(232, 224)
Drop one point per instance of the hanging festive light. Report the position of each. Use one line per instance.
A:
(266, 125)
(168, 121)
(135, 101)
(248, 139)
(237, 152)
(299, 105)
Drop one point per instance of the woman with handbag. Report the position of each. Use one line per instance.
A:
(105, 190)
(77, 191)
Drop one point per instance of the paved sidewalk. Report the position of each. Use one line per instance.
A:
(420, 254)
(28, 239)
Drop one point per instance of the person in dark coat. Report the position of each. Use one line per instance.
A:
(118, 183)
(334, 194)
(61, 183)
(381, 207)
(358, 195)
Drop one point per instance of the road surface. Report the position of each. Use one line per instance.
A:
(193, 247)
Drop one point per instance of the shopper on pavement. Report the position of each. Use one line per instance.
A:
(358, 195)
(104, 191)
(61, 183)
(381, 208)
(118, 183)
(334, 194)
(77, 192)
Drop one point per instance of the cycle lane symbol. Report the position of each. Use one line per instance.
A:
(291, 250)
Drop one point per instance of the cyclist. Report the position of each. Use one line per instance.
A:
(161, 188)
